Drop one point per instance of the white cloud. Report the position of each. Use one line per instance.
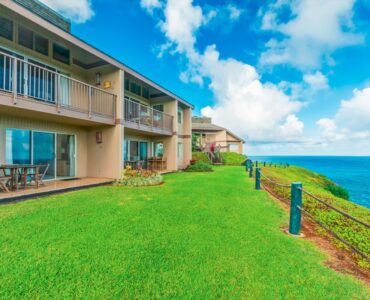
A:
(150, 5)
(182, 20)
(316, 29)
(235, 12)
(351, 122)
(252, 109)
(78, 11)
(317, 81)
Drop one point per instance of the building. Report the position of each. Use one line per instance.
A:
(207, 134)
(67, 104)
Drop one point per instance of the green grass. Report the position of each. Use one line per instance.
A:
(201, 157)
(356, 234)
(233, 159)
(198, 236)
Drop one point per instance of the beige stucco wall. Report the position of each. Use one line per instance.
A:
(104, 159)
(39, 125)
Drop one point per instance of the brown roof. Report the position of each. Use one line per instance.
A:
(211, 127)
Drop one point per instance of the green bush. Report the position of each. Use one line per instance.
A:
(233, 159)
(201, 157)
(337, 191)
(137, 178)
(199, 167)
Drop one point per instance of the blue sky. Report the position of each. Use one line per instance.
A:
(289, 76)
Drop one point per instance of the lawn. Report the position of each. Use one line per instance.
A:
(198, 236)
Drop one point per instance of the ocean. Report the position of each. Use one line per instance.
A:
(351, 172)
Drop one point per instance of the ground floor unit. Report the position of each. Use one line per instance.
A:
(81, 150)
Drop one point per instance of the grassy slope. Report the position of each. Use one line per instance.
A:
(203, 235)
(358, 235)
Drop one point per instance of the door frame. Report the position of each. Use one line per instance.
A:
(55, 149)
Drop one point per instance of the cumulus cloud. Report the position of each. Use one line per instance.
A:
(317, 81)
(249, 107)
(78, 11)
(150, 5)
(314, 31)
(352, 121)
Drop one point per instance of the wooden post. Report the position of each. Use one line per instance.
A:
(251, 171)
(295, 212)
(258, 178)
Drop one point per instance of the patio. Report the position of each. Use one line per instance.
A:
(52, 187)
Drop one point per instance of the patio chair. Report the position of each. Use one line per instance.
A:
(4, 181)
(41, 175)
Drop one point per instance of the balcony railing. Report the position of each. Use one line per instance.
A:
(146, 118)
(29, 81)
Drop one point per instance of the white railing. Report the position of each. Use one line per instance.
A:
(146, 117)
(33, 82)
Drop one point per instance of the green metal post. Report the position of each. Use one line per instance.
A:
(256, 164)
(251, 171)
(246, 166)
(258, 178)
(295, 212)
(264, 164)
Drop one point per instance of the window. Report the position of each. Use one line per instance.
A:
(159, 107)
(179, 117)
(145, 93)
(6, 28)
(18, 146)
(134, 151)
(61, 53)
(127, 84)
(138, 90)
(135, 88)
(41, 45)
(158, 150)
(233, 147)
(25, 37)
(180, 151)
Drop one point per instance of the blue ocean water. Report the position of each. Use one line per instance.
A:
(351, 172)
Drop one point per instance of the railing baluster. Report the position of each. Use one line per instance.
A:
(14, 80)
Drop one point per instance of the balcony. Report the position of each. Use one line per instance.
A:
(141, 117)
(38, 88)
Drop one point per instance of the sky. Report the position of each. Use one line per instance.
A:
(289, 76)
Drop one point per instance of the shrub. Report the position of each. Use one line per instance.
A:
(200, 157)
(233, 159)
(199, 167)
(337, 190)
(140, 177)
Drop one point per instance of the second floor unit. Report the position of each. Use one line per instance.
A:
(48, 73)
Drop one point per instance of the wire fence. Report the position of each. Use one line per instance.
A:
(297, 208)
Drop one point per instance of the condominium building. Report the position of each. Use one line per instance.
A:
(207, 133)
(65, 103)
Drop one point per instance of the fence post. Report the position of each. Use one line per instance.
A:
(295, 212)
(246, 165)
(264, 164)
(251, 171)
(258, 178)
(256, 164)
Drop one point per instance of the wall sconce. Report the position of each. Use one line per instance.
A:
(99, 137)
(97, 78)
(107, 84)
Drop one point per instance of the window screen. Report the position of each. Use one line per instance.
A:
(42, 45)
(25, 37)
(6, 28)
(61, 53)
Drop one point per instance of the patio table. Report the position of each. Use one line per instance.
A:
(15, 171)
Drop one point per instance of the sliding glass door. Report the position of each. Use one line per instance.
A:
(42, 148)
(65, 155)
(43, 151)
